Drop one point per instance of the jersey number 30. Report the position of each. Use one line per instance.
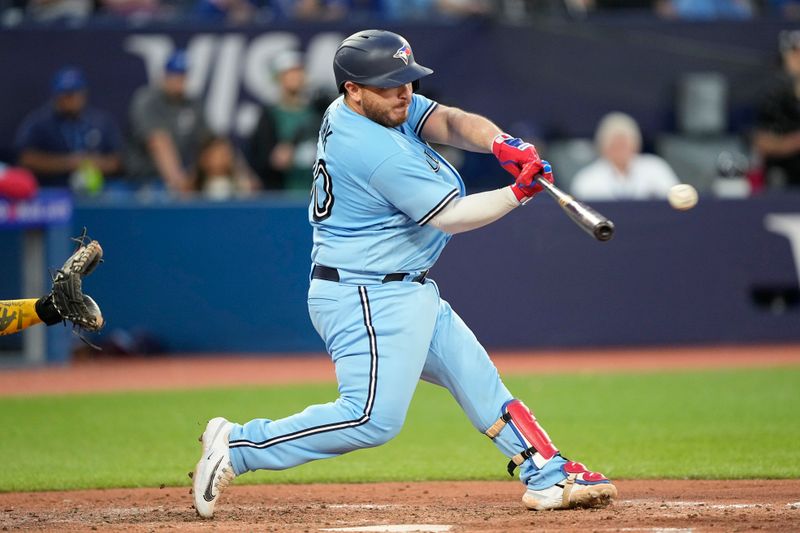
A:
(322, 192)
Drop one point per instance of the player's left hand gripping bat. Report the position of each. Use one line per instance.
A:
(584, 216)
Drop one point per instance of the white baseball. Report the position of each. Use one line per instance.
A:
(682, 196)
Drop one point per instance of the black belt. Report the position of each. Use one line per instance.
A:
(331, 274)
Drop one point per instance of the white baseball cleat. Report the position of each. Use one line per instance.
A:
(214, 470)
(582, 488)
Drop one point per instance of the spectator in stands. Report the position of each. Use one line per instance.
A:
(603, 5)
(221, 172)
(777, 133)
(232, 12)
(673, 9)
(406, 9)
(464, 8)
(622, 171)
(788, 9)
(141, 10)
(71, 11)
(706, 9)
(167, 130)
(327, 10)
(282, 147)
(66, 138)
(421, 10)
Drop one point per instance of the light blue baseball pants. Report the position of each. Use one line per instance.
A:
(383, 338)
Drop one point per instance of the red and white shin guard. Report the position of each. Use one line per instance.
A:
(538, 446)
(580, 488)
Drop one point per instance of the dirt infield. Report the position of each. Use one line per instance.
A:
(185, 372)
(657, 506)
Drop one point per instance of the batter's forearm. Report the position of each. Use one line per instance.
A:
(475, 211)
(455, 127)
(472, 132)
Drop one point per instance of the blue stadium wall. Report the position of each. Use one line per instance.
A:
(204, 277)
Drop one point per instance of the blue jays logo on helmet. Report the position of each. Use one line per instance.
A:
(404, 52)
(369, 57)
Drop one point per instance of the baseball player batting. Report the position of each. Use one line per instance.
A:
(383, 206)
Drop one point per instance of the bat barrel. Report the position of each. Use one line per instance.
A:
(604, 230)
(584, 216)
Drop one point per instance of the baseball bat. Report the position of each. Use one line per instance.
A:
(584, 216)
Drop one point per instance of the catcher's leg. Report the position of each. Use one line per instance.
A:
(17, 315)
(458, 362)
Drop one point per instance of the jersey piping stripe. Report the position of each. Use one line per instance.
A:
(373, 350)
(371, 392)
(424, 119)
(438, 207)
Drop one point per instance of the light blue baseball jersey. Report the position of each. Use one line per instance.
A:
(375, 189)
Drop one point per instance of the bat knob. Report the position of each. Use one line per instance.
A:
(604, 231)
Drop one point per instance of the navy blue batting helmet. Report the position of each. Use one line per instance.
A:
(378, 58)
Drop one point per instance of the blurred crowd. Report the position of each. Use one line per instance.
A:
(168, 148)
(769, 158)
(241, 12)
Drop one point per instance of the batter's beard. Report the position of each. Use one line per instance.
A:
(381, 116)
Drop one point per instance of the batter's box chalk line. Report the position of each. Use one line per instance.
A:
(795, 505)
(369, 506)
(703, 505)
(656, 529)
(396, 528)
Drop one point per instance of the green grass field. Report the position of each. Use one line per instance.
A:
(721, 424)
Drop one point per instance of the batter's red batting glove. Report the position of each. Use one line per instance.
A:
(526, 186)
(513, 153)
